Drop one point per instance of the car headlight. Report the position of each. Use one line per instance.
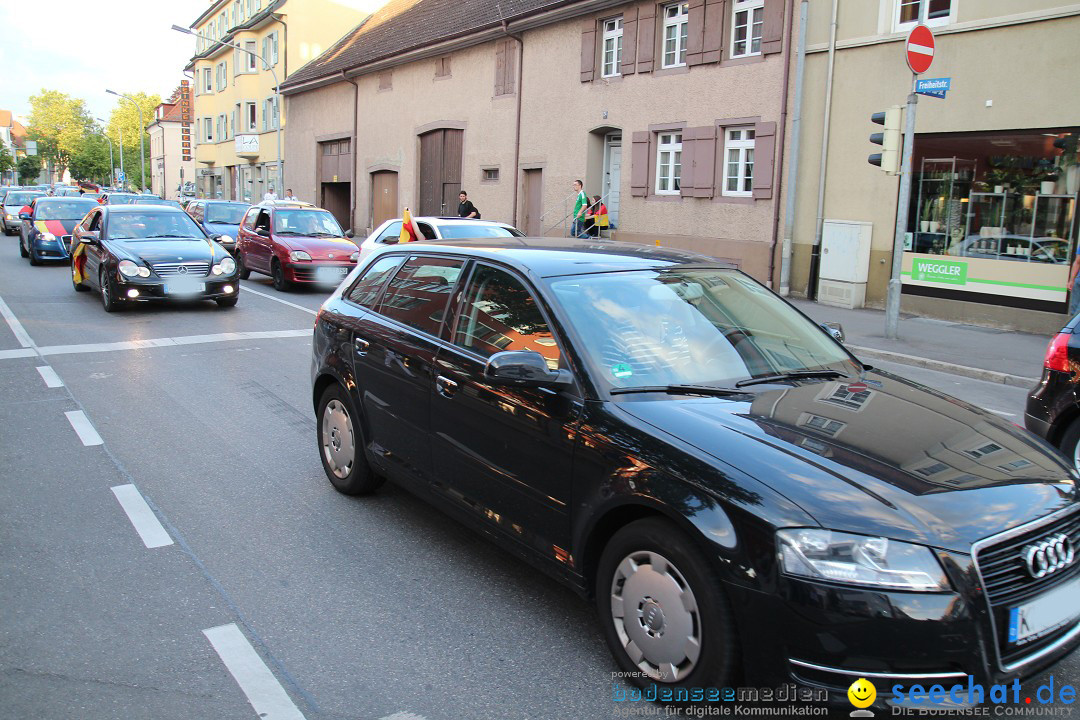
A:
(228, 266)
(226, 238)
(297, 255)
(48, 237)
(10, 217)
(128, 268)
(355, 257)
(859, 560)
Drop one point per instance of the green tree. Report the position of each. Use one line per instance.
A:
(91, 162)
(29, 168)
(7, 162)
(59, 124)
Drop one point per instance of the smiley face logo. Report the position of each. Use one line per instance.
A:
(862, 693)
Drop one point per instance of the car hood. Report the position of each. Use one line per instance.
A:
(169, 250)
(222, 229)
(878, 456)
(321, 248)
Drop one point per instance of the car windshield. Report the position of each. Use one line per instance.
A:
(310, 223)
(64, 210)
(461, 232)
(687, 326)
(145, 225)
(226, 213)
(21, 198)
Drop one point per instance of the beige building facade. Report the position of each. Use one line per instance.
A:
(673, 113)
(172, 164)
(236, 114)
(991, 227)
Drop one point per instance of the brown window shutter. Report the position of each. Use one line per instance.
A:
(695, 32)
(764, 154)
(639, 164)
(500, 67)
(629, 41)
(588, 50)
(686, 172)
(646, 36)
(510, 67)
(704, 161)
(772, 27)
(713, 37)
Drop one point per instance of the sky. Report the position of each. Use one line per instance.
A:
(81, 48)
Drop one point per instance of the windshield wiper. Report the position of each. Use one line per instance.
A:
(680, 390)
(170, 235)
(797, 375)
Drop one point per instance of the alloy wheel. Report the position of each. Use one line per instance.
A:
(338, 446)
(656, 616)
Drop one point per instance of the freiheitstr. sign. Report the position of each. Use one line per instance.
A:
(950, 272)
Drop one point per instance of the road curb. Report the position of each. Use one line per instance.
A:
(947, 367)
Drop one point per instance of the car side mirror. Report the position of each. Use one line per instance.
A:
(25, 216)
(835, 329)
(350, 234)
(263, 232)
(524, 368)
(90, 237)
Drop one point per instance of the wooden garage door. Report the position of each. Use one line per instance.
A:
(440, 171)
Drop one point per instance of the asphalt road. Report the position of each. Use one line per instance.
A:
(225, 578)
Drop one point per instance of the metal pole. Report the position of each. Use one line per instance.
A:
(819, 223)
(793, 167)
(121, 157)
(142, 148)
(108, 140)
(892, 302)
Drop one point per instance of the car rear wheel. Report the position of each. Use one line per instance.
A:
(108, 292)
(241, 267)
(1070, 443)
(22, 249)
(663, 609)
(341, 446)
(278, 274)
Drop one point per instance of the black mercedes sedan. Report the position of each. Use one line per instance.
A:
(144, 253)
(742, 498)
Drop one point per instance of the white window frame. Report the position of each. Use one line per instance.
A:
(252, 63)
(680, 24)
(250, 121)
(669, 144)
(270, 115)
(611, 46)
(221, 76)
(208, 129)
(754, 16)
(208, 81)
(270, 48)
(743, 146)
(924, 8)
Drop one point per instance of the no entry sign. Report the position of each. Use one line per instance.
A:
(920, 49)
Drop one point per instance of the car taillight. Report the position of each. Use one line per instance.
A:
(1057, 354)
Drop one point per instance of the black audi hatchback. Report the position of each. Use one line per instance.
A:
(742, 498)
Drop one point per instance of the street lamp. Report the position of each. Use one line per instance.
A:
(277, 90)
(142, 131)
(112, 173)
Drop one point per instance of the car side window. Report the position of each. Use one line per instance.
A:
(427, 231)
(264, 220)
(198, 212)
(393, 230)
(249, 218)
(95, 221)
(418, 294)
(499, 313)
(365, 291)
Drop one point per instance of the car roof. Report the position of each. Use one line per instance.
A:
(289, 205)
(454, 221)
(550, 257)
(217, 201)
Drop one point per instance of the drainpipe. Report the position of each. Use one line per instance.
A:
(793, 169)
(517, 122)
(819, 223)
(355, 154)
(780, 144)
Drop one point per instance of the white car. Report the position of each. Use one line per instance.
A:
(437, 228)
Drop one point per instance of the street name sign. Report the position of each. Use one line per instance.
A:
(933, 87)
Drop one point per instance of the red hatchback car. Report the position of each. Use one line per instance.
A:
(294, 243)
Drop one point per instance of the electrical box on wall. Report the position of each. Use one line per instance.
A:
(845, 263)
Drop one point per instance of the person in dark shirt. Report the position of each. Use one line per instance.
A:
(465, 208)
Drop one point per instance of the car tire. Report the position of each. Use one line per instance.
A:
(227, 302)
(22, 249)
(660, 601)
(341, 446)
(1070, 443)
(108, 292)
(278, 274)
(245, 273)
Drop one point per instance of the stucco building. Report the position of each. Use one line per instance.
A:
(991, 227)
(172, 163)
(673, 112)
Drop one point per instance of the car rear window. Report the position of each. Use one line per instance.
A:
(63, 210)
(21, 198)
(225, 214)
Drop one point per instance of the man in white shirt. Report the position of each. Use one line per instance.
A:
(270, 194)
(289, 195)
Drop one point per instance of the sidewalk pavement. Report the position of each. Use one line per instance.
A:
(1001, 356)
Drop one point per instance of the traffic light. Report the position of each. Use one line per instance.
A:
(890, 140)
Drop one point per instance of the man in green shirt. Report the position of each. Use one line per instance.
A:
(581, 203)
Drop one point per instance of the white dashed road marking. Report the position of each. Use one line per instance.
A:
(309, 311)
(16, 326)
(141, 516)
(84, 428)
(151, 343)
(50, 377)
(262, 689)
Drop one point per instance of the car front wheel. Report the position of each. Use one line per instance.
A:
(108, 292)
(278, 274)
(22, 249)
(341, 447)
(663, 609)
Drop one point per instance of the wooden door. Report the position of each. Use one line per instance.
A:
(533, 202)
(384, 197)
(440, 171)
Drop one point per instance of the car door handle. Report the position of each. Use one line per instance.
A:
(445, 386)
(361, 346)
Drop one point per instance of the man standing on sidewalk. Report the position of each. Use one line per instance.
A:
(581, 203)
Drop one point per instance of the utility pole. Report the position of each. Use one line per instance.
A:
(142, 131)
(112, 173)
(892, 301)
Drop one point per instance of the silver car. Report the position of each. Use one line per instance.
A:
(15, 201)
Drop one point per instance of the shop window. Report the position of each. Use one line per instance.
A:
(932, 13)
(676, 31)
(668, 163)
(747, 22)
(612, 48)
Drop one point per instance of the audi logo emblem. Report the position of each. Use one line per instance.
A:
(182, 269)
(1046, 557)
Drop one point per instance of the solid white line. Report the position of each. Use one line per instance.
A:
(152, 343)
(18, 353)
(921, 49)
(309, 311)
(141, 516)
(404, 716)
(83, 428)
(15, 325)
(50, 377)
(262, 689)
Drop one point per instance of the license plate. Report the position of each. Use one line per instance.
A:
(1045, 614)
(331, 274)
(184, 287)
